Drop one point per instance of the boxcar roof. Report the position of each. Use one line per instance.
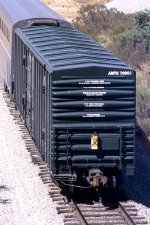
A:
(18, 10)
(66, 48)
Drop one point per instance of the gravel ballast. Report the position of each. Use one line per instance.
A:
(24, 199)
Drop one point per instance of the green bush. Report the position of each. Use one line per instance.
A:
(126, 35)
(143, 99)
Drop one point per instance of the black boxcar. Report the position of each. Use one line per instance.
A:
(77, 100)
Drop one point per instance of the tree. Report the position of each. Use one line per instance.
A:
(102, 23)
(126, 35)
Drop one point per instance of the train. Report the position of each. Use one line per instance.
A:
(75, 97)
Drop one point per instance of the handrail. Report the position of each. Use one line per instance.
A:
(120, 147)
(67, 147)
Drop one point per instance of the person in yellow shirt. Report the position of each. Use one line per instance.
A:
(95, 141)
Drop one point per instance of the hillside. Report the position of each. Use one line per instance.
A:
(69, 8)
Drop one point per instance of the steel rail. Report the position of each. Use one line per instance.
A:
(121, 210)
(126, 216)
(79, 213)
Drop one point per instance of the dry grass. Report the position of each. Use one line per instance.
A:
(69, 8)
(143, 99)
(91, 2)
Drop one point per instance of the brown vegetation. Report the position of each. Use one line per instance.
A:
(143, 99)
(69, 8)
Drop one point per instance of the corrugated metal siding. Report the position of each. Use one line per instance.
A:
(63, 109)
(63, 47)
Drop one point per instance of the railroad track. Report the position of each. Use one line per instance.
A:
(75, 214)
(97, 214)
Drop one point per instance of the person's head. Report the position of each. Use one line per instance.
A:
(95, 133)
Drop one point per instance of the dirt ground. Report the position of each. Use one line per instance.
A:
(69, 8)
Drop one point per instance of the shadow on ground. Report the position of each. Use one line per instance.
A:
(138, 187)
